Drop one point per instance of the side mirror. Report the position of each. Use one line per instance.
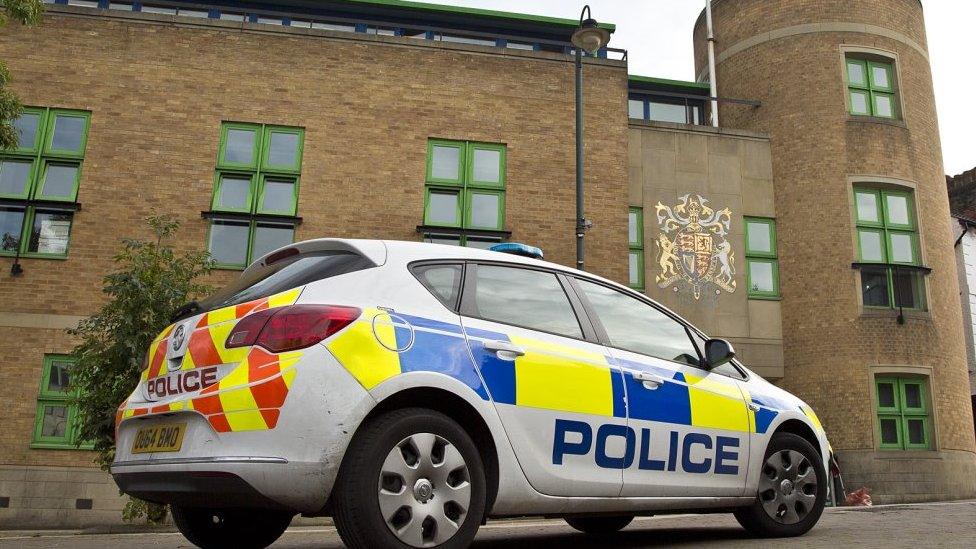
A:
(717, 353)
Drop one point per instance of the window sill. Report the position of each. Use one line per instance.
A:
(766, 297)
(436, 229)
(898, 454)
(866, 119)
(34, 256)
(56, 446)
(245, 216)
(884, 312)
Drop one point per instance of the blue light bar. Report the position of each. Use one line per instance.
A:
(515, 248)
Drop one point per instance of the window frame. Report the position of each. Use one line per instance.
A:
(869, 88)
(38, 132)
(52, 116)
(901, 414)
(636, 247)
(465, 188)
(41, 156)
(225, 129)
(47, 399)
(264, 162)
(31, 177)
(760, 256)
(257, 173)
(459, 145)
(885, 230)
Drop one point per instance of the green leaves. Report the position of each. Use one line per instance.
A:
(151, 281)
(27, 12)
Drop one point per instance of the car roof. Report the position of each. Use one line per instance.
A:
(405, 251)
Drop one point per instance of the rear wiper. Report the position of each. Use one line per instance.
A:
(185, 311)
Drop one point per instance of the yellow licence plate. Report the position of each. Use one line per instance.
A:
(159, 438)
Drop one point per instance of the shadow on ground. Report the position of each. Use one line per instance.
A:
(631, 538)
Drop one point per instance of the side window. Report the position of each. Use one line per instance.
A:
(634, 325)
(527, 298)
(444, 281)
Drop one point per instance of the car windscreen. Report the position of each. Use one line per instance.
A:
(289, 274)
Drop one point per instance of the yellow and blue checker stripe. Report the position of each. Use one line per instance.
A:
(549, 376)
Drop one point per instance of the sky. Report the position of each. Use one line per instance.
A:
(657, 35)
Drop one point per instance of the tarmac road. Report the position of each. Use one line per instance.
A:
(912, 526)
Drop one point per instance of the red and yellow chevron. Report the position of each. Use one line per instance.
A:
(248, 398)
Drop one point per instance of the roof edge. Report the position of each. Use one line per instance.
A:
(480, 12)
(668, 82)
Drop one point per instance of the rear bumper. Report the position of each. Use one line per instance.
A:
(208, 489)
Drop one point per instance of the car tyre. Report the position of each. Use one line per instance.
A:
(410, 478)
(789, 502)
(599, 526)
(243, 528)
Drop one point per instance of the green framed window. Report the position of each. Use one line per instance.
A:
(903, 413)
(872, 89)
(55, 423)
(762, 260)
(464, 193)
(39, 180)
(888, 251)
(254, 206)
(635, 241)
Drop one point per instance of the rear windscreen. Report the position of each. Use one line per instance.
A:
(287, 275)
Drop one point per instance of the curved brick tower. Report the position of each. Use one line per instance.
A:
(847, 98)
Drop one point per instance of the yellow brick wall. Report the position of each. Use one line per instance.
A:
(159, 91)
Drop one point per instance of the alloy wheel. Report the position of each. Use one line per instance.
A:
(788, 486)
(424, 490)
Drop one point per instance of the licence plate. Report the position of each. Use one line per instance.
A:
(159, 438)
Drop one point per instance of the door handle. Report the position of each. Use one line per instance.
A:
(504, 349)
(649, 380)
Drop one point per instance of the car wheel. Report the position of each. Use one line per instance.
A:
(792, 490)
(599, 525)
(410, 478)
(245, 528)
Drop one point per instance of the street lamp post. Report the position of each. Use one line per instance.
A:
(588, 37)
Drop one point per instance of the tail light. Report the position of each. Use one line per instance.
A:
(289, 328)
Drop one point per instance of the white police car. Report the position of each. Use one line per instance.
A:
(412, 390)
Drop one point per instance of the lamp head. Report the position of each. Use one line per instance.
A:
(590, 37)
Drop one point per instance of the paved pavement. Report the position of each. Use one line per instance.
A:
(911, 526)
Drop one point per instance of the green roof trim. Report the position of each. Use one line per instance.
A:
(668, 82)
(479, 12)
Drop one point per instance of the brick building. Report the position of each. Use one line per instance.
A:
(870, 298)
(258, 124)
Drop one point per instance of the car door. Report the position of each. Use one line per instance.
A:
(559, 398)
(691, 426)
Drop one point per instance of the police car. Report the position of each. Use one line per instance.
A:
(412, 391)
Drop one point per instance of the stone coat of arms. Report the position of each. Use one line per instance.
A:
(692, 249)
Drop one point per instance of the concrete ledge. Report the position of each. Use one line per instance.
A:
(39, 320)
(910, 477)
(695, 128)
